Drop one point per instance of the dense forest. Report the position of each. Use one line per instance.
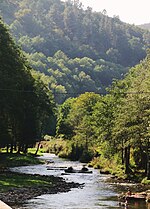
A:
(114, 129)
(73, 54)
(77, 49)
(26, 105)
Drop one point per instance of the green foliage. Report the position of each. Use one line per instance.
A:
(76, 52)
(72, 42)
(109, 165)
(63, 126)
(26, 104)
(114, 129)
(71, 77)
(145, 181)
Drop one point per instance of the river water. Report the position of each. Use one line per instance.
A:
(97, 193)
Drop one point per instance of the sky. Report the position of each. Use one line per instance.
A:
(130, 11)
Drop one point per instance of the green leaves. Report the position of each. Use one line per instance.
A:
(116, 124)
(25, 103)
(86, 49)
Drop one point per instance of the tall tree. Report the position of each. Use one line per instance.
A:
(20, 100)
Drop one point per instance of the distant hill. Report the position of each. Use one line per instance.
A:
(77, 50)
(145, 26)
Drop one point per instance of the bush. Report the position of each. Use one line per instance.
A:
(86, 156)
(145, 181)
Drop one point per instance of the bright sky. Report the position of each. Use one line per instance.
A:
(129, 11)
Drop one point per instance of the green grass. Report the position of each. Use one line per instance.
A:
(12, 160)
(33, 151)
(9, 180)
(145, 181)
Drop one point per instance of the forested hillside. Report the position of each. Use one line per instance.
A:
(77, 50)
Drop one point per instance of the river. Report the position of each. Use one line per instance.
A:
(97, 193)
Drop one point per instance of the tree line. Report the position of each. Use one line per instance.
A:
(114, 127)
(78, 49)
(26, 104)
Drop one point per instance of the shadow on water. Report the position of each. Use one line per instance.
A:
(96, 194)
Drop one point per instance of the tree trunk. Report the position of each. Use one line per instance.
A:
(7, 148)
(127, 160)
(122, 156)
(148, 170)
(122, 153)
(11, 147)
(19, 149)
(148, 160)
(15, 146)
(25, 149)
(37, 148)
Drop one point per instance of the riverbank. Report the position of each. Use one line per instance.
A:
(17, 188)
(112, 165)
(14, 159)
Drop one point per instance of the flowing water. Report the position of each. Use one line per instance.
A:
(96, 193)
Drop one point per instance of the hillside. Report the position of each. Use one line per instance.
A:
(77, 50)
(145, 26)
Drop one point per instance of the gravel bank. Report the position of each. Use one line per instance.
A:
(17, 196)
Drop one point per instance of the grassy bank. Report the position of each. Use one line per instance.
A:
(10, 180)
(69, 149)
(113, 166)
(16, 188)
(14, 159)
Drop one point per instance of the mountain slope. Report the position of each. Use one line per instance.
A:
(77, 50)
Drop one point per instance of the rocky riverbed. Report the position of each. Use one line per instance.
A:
(19, 195)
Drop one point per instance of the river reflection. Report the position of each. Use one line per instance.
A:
(96, 194)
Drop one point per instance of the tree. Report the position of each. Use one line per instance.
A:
(24, 104)
(80, 118)
(63, 125)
